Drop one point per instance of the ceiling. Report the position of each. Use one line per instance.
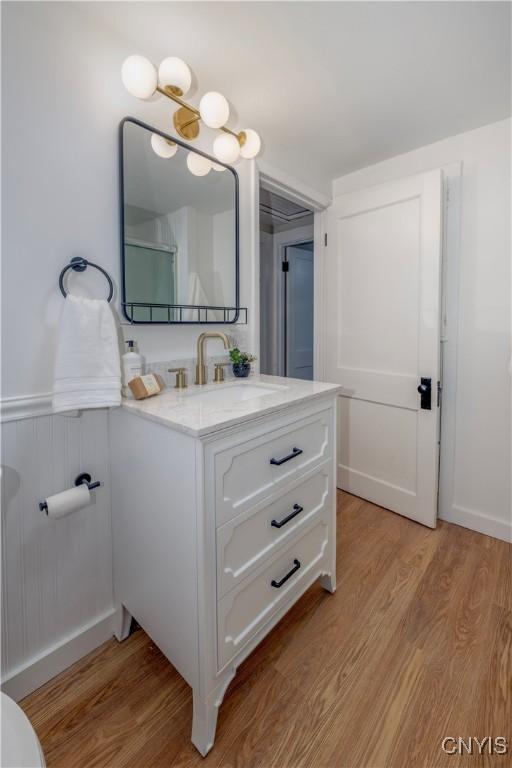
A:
(278, 212)
(334, 86)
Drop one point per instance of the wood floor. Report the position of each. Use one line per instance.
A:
(415, 645)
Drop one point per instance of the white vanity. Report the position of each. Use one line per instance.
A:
(223, 515)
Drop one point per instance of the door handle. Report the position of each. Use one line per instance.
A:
(425, 390)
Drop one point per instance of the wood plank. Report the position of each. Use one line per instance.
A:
(503, 596)
(496, 685)
(454, 649)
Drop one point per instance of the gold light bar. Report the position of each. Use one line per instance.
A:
(186, 118)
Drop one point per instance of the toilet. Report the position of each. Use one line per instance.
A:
(20, 745)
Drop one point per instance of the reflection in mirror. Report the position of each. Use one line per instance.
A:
(180, 232)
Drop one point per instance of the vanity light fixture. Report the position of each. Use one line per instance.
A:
(198, 165)
(173, 80)
(226, 148)
(214, 109)
(163, 147)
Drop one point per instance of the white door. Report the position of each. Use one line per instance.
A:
(382, 337)
(299, 304)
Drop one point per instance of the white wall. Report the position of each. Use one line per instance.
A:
(62, 101)
(476, 444)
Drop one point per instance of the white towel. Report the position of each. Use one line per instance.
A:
(87, 367)
(196, 294)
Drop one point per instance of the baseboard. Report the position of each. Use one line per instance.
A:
(41, 668)
(477, 521)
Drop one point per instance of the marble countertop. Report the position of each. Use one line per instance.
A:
(199, 411)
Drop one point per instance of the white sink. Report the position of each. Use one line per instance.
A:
(234, 393)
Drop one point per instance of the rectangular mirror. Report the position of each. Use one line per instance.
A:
(179, 231)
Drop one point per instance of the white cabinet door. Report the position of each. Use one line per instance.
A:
(382, 337)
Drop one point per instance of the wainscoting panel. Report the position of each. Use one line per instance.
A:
(56, 574)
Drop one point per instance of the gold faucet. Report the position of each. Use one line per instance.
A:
(201, 370)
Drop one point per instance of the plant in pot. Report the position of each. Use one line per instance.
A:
(241, 362)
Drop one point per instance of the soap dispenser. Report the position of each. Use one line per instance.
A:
(132, 366)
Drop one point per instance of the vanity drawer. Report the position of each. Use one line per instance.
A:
(252, 470)
(246, 609)
(246, 541)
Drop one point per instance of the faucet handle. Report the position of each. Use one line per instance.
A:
(181, 377)
(219, 371)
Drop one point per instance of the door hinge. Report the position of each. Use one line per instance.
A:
(285, 266)
(439, 391)
(325, 238)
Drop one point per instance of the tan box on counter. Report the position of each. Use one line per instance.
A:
(146, 386)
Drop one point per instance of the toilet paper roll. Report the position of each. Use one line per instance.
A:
(61, 504)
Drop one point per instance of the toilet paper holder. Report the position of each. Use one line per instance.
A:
(80, 479)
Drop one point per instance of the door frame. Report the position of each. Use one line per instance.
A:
(450, 280)
(282, 184)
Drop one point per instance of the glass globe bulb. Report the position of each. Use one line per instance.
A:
(217, 167)
(198, 165)
(175, 73)
(139, 76)
(252, 144)
(226, 148)
(214, 109)
(163, 147)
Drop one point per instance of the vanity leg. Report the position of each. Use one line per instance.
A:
(122, 623)
(204, 723)
(328, 582)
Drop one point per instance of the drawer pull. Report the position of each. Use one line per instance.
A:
(297, 509)
(295, 452)
(278, 584)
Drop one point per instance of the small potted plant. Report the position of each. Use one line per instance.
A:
(241, 362)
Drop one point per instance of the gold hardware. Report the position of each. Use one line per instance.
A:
(172, 93)
(186, 119)
(181, 377)
(201, 375)
(219, 372)
(201, 370)
(174, 90)
(186, 123)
